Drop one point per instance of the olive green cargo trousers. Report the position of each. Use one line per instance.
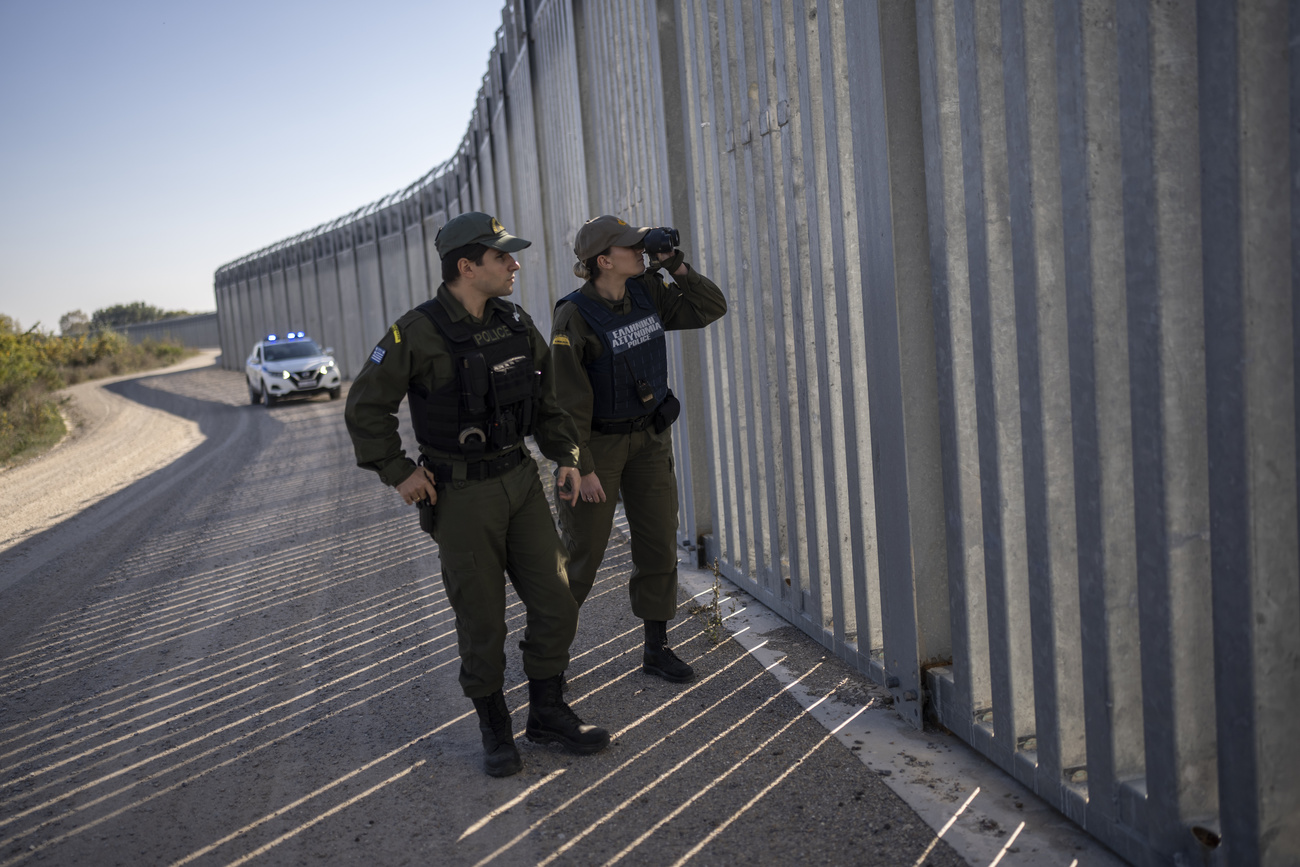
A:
(640, 465)
(487, 530)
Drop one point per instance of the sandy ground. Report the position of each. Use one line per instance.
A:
(111, 442)
(222, 643)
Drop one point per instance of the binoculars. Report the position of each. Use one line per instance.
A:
(661, 240)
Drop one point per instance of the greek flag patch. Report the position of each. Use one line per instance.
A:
(378, 355)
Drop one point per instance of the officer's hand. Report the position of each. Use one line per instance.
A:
(592, 491)
(674, 263)
(418, 486)
(568, 479)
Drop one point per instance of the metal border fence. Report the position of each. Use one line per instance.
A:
(200, 331)
(1004, 410)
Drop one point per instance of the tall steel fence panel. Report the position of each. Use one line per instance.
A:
(295, 288)
(311, 300)
(486, 200)
(266, 312)
(429, 229)
(435, 211)
(375, 315)
(331, 332)
(416, 259)
(514, 162)
(560, 147)
(251, 295)
(200, 331)
(1249, 131)
(228, 319)
(227, 297)
(495, 111)
(241, 318)
(248, 316)
(624, 114)
(295, 317)
(360, 332)
(533, 277)
(249, 300)
(632, 173)
(1010, 294)
(770, 142)
(468, 174)
(279, 297)
(257, 300)
(1094, 172)
(456, 182)
(395, 283)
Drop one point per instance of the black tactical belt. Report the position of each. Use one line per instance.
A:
(476, 471)
(623, 426)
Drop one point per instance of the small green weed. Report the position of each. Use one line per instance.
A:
(713, 626)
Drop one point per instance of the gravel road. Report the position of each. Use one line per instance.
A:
(221, 642)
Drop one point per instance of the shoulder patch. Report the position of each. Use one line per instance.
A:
(560, 340)
(397, 335)
(379, 353)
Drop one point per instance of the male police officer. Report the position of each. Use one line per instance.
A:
(611, 370)
(478, 379)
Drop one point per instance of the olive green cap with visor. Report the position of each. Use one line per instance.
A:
(600, 233)
(475, 227)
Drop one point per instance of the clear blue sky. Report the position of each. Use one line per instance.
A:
(143, 144)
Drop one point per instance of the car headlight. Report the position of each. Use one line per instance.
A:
(326, 367)
(284, 374)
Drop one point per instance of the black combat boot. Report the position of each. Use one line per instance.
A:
(550, 720)
(500, 757)
(659, 657)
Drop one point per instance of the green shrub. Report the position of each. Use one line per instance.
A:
(24, 365)
(33, 365)
(29, 422)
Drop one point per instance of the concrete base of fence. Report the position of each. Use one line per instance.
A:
(973, 806)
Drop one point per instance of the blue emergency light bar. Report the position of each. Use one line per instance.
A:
(292, 335)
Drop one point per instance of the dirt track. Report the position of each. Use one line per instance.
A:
(111, 442)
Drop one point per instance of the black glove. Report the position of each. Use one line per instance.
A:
(673, 262)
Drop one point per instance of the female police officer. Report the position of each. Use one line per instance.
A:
(611, 375)
(477, 377)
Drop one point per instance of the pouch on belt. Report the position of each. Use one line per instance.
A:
(667, 412)
(428, 517)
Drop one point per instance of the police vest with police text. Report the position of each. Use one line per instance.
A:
(634, 364)
(488, 406)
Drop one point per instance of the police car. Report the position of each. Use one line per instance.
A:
(284, 365)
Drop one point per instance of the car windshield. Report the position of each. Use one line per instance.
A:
(297, 349)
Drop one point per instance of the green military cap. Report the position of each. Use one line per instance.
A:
(600, 233)
(475, 227)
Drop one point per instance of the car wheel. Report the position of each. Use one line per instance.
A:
(253, 396)
(335, 392)
(268, 398)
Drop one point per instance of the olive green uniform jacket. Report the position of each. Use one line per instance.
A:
(637, 465)
(412, 350)
(485, 529)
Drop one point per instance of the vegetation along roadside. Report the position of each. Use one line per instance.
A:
(34, 365)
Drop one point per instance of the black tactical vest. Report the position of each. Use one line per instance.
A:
(489, 405)
(631, 376)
